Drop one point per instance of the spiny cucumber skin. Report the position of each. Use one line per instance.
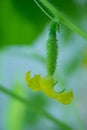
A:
(51, 56)
(52, 48)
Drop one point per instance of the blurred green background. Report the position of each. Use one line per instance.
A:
(23, 34)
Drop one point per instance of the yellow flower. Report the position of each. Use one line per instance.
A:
(37, 83)
(84, 58)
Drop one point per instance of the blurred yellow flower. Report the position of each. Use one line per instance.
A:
(37, 83)
(84, 58)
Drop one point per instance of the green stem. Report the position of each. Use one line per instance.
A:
(60, 17)
(43, 9)
(47, 115)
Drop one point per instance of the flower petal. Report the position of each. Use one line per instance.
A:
(34, 82)
(37, 83)
(65, 97)
(27, 77)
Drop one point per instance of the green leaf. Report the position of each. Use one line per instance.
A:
(20, 22)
